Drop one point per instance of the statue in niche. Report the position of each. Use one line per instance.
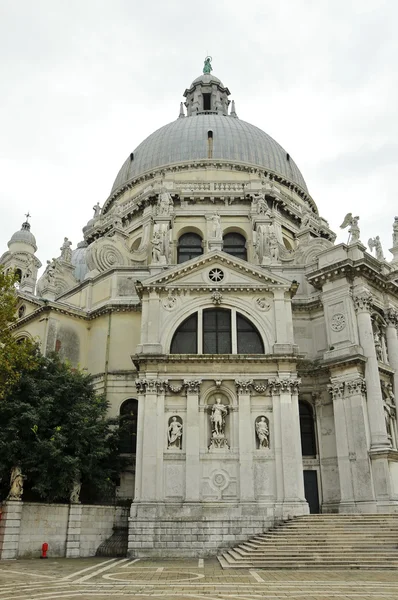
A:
(262, 432)
(66, 251)
(354, 231)
(218, 414)
(16, 484)
(378, 345)
(389, 409)
(395, 232)
(376, 244)
(262, 246)
(216, 227)
(156, 247)
(174, 433)
(165, 203)
(74, 497)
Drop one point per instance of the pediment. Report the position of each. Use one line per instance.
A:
(201, 272)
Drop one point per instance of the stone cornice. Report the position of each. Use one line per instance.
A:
(366, 267)
(205, 164)
(140, 360)
(74, 312)
(171, 277)
(307, 304)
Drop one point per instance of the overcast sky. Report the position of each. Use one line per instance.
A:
(83, 82)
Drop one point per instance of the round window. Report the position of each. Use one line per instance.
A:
(216, 275)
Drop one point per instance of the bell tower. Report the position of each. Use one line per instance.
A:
(21, 258)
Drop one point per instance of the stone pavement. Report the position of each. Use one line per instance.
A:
(101, 579)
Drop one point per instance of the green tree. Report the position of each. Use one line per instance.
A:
(15, 356)
(55, 428)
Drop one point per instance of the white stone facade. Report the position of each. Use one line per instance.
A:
(311, 416)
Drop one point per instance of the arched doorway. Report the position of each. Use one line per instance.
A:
(309, 451)
(128, 444)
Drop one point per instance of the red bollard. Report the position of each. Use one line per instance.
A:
(44, 550)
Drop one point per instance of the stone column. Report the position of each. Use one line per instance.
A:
(294, 502)
(378, 433)
(192, 441)
(152, 438)
(246, 447)
(355, 475)
(10, 524)
(336, 390)
(391, 316)
(74, 531)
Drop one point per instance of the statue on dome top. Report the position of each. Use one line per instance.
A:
(207, 66)
(354, 230)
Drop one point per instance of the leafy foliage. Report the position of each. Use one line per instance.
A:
(54, 426)
(15, 356)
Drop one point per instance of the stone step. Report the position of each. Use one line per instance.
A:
(317, 542)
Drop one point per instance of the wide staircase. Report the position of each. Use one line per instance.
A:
(321, 542)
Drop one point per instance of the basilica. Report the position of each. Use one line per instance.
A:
(257, 359)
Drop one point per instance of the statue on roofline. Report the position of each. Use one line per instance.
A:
(207, 66)
(375, 243)
(354, 230)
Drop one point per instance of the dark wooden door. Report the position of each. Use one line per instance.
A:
(311, 490)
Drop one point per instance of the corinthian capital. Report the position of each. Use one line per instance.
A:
(192, 385)
(391, 316)
(336, 389)
(363, 302)
(244, 386)
(356, 386)
(284, 386)
(151, 386)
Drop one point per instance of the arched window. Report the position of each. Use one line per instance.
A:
(307, 428)
(189, 246)
(249, 339)
(235, 244)
(217, 336)
(128, 417)
(185, 339)
(220, 334)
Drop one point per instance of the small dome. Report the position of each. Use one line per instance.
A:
(207, 78)
(79, 261)
(24, 236)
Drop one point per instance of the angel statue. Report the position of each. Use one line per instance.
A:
(354, 230)
(376, 244)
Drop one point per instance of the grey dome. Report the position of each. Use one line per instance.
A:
(79, 261)
(185, 140)
(24, 236)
